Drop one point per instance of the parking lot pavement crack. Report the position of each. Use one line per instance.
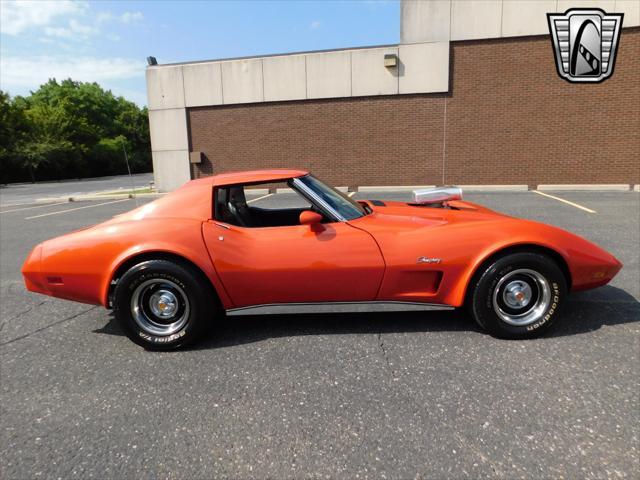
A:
(483, 458)
(385, 355)
(24, 312)
(63, 320)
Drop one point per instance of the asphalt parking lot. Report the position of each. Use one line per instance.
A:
(393, 395)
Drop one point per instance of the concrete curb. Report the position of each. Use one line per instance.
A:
(257, 191)
(470, 188)
(80, 198)
(387, 188)
(494, 188)
(290, 190)
(614, 187)
(619, 187)
(71, 180)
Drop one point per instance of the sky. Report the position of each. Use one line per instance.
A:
(108, 41)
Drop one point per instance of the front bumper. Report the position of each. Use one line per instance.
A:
(32, 271)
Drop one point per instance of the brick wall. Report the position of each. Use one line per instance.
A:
(509, 120)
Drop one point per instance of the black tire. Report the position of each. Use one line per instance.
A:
(518, 295)
(155, 288)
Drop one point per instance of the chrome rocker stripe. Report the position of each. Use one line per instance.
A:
(336, 307)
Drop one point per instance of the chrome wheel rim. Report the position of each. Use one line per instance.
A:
(160, 307)
(521, 297)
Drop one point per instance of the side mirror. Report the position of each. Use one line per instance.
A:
(310, 218)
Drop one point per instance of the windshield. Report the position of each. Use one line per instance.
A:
(346, 207)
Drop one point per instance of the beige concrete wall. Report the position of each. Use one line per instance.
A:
(169, 170)
(606, 5)
(370, 76)
(242, 81)
(424, 66)
(631, 10)
(425, 21)
(472, 19)
(333, 74)
(441, 20)
(329, 75)
(165, 88)
(526, 17)
(285, 78)
(168, 125)
(202, 84)
(168, 129)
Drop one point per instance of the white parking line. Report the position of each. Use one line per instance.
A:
(351, 194)
(35, 206)
(77, 208)
(7, 205)
(259, 198)
(564, 201)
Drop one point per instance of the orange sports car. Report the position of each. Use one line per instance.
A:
(216, 246)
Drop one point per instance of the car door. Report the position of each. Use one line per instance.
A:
(329, 262)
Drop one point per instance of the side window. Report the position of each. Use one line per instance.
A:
(259, 206)
(274, 196)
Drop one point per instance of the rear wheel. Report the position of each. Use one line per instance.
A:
(163, 305)
(518, 295)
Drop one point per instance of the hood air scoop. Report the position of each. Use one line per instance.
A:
(428, 196)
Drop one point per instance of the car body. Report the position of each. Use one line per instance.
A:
(369, 252)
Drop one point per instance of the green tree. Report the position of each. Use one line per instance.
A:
(72, 129)
(12, 129)
(45, 143)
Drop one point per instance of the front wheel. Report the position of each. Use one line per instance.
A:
(163, 305)
(518, 296)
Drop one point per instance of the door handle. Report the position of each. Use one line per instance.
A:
(223, 225)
